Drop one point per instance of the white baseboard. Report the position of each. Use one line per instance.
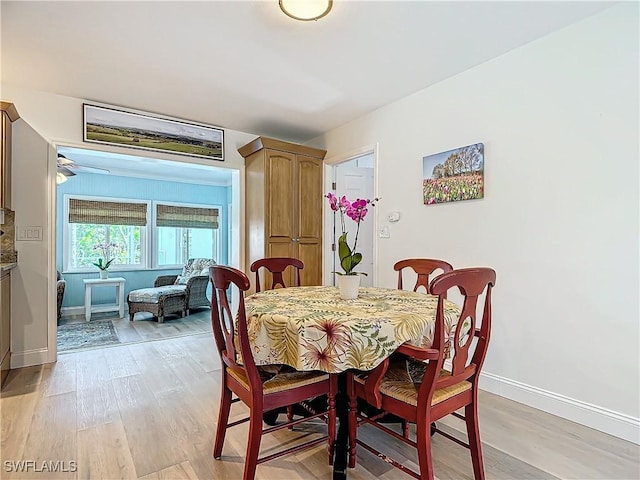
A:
(72, 311)
(602, 419)
(79, 311)
(30, 358)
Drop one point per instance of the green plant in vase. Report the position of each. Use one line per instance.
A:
(104, 262)
(356, 211)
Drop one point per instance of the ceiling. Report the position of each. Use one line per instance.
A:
(146, 167)
(243, 65)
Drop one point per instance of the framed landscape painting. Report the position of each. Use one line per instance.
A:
(119, 127)
(453, 175)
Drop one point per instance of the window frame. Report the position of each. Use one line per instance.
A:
(66, 235)
(154, 230)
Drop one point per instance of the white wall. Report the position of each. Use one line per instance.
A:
(559, 221)
(57, 119)
(29, 289)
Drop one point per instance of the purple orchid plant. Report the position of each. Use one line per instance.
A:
(356, 211)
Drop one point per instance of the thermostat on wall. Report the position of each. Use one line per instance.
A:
(393, 216)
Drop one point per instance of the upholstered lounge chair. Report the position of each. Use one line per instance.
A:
(60, 285)
(174, 293)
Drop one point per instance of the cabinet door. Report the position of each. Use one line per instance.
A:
(5, 163)
(280, 196)
(309, 218)
(5, 321)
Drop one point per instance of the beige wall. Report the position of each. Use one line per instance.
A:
(559, 118)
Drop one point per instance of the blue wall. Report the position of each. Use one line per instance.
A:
(135, 188)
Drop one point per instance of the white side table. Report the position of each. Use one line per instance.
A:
(90, 283)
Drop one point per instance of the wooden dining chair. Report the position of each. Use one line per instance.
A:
(276, 267)
(441, 391)
(423, 267)
(242, 378)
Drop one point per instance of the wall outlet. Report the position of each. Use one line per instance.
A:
(384, 232)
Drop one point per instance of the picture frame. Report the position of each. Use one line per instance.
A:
(453, 175)
(114, 126)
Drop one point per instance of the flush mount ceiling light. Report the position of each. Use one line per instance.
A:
(306, 10)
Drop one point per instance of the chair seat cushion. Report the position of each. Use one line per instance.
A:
(282, 381)
(397, 384)
(152, 295)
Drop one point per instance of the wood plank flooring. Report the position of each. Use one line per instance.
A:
(148, 410)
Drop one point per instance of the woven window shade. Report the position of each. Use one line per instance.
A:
(107, 213)
(186, 217)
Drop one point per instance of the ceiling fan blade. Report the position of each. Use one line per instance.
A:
(64, 162)
(65, 171)
(83, 168)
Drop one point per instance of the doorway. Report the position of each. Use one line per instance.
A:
(353, 177)
(152, 250)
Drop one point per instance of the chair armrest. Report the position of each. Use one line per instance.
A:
(163, 280)
(417, 352)
(197, 284)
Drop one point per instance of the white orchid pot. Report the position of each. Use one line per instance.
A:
(348, 285)
(104, 274)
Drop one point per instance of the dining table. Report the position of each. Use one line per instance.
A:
(311, 328)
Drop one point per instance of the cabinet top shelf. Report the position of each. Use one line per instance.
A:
(271, 143)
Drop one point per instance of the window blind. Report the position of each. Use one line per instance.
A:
(186, 217)
(107, 213)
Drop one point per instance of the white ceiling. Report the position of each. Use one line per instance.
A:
(245, 66)
(145, 167)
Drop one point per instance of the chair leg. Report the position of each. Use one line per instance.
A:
(475, 445)
(425, 459)
(290, 415)
(253, 443)
(405, 428)
(331, 416)
(223, 419)
(353, 420)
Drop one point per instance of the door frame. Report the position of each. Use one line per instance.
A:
(237, 218)
(329, 165)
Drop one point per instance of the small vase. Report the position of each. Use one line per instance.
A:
(348, 285)
(104, 274)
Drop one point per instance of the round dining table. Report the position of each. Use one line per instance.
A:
(312, 328)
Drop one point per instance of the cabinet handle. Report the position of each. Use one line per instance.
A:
(295, 239)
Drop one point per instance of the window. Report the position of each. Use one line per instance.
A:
(186, 231)
(102, 227)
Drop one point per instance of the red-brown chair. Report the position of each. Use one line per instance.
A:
(243, 379)
(276, 266)
(441, 392)
(423, 267)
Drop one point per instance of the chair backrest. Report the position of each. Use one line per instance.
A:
(197, 266)
(472, 283)
(423, 267)
(276, 266)
(224, 327)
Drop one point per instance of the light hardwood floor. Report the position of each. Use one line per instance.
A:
(145, 327)
(148, 410)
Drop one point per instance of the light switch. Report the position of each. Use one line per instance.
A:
(29, 234)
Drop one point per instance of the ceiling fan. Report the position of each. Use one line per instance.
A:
(67, 168)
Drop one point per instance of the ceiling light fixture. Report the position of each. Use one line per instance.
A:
(306, 10)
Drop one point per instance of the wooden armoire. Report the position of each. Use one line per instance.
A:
(284, 201)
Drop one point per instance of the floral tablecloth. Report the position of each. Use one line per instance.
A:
(311, 328)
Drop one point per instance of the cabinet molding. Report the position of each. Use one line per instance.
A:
(284, 202)
(10, 109)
